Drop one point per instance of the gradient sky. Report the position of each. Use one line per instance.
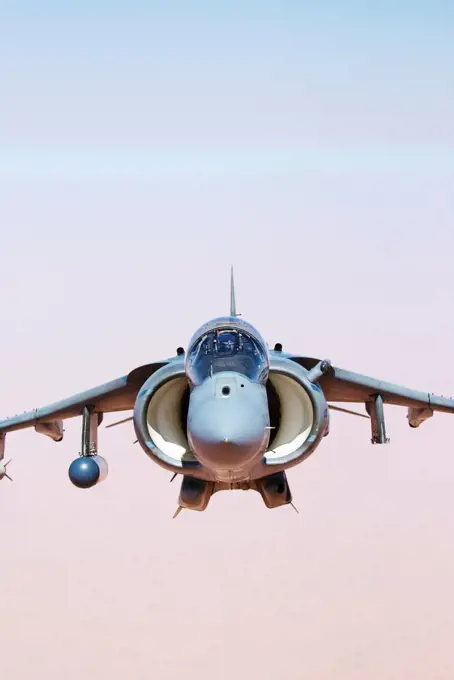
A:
(144, 146)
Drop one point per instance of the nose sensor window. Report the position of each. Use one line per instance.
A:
(226, 390)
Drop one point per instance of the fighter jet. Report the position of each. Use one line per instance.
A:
(226, 413)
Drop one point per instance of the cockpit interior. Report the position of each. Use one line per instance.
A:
(227, 349)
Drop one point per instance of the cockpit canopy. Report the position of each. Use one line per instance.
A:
(227, 349)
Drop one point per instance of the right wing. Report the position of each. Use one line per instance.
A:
(116, 395)
(341, 385)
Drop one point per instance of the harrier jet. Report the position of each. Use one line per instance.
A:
(226, 413)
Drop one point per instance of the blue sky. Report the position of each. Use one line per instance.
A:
(144, 148)
(148, 85)
(245, 114)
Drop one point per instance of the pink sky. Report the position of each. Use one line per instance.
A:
(336, 207)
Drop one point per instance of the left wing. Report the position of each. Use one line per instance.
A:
(116, 395)
(340, 385)
(346, 386)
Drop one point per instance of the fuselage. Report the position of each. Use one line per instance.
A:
(228, 425)
(229, 411)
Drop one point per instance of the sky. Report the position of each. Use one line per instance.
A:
(144, 147)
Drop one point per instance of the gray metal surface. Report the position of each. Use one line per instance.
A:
(223, 418)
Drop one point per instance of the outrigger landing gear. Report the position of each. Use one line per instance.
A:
(377, 419)
(89, 469)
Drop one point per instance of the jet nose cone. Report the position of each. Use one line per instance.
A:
(228, 432)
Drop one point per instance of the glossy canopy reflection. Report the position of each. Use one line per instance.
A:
(227, 349)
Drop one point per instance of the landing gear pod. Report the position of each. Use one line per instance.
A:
(274, 490)
(87, 471)
(195, 493)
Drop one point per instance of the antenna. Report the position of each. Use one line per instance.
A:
(233, 311)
